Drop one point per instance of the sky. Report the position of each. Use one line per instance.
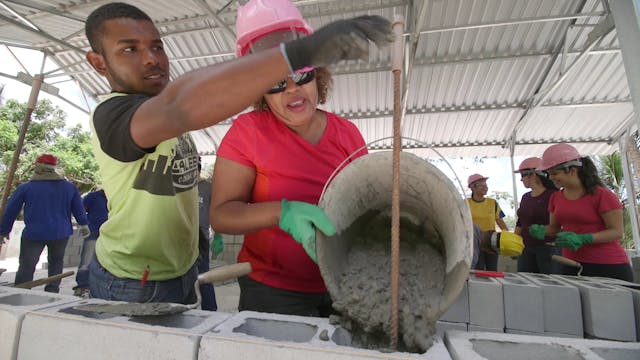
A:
(497, 169)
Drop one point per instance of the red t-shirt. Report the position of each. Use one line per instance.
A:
(582, 216)
(287, 167)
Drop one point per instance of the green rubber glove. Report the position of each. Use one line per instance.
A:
(572, 240)
(216, 245)
(537, 231)
(300, 220)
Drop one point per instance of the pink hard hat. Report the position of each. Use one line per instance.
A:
(47, 159)
(529, 163)
(258, 18)
(475, 177)
(558, 154)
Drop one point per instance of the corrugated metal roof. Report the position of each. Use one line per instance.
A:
(484, 73)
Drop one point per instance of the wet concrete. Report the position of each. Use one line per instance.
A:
(364, 299)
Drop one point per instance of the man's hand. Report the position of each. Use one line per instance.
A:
(4, 239)
(572, 240)
(339, 40)
(537, 231)
(217, 245)
(83, 230)
(301, 219)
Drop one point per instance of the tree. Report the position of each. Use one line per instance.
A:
(610, 171)
(46, 134)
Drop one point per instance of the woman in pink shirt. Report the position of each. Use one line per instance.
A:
(271, 168)
(585, 216)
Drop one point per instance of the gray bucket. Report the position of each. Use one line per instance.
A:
(435, 248)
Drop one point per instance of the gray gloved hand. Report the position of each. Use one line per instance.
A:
(83, 230)
(339, 40)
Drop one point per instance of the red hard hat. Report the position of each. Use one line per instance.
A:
(558, 154)
(475, 177)
(529, 163)
(47, 159)
(258, 18)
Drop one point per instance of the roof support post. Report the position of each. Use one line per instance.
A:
(626, 16)
(631, 195)
(31, 105)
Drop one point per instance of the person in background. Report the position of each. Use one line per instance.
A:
(148, 246)
(204, 202)
(533, 209)
(585, 216)
(48, 200)
(271, 167)
(95, 204)
(486, 213)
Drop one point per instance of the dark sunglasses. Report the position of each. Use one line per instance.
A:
(300, 78)
(525, 173)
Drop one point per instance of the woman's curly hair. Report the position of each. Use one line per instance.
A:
(324, 81)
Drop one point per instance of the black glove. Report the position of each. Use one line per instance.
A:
(339, 40)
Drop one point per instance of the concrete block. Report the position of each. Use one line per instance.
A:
(635, 293)
(562, 306)
(444, 326)
(484, 329)
(606, 309)
(486, 303)
(72, 260)
(253, 335)
(108, 336)
(549, 334)
(477, 346)
(458, 312)
(14, 305)
(523, 305)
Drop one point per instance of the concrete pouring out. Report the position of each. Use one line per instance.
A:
(365, 305)
(356, 262)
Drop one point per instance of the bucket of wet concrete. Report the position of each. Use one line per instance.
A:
(435, 249)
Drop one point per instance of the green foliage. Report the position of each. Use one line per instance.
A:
(611, 173)
(46, 134)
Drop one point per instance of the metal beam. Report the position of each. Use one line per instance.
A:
(514, 22)
(626, 14)
(42, 34)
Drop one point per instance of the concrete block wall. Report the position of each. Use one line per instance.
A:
(458, 312)
(72, 252)
(232, 245)
(15, 304)
(53, 326)
(482, 346)
(90, 335)
(523, 304)
(486, 303)
(253, 335)
(507, 264)
(561, 303)
(607, 311)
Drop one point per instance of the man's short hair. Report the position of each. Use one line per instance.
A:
(95, 20)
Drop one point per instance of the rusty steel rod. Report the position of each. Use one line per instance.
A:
(396, 66)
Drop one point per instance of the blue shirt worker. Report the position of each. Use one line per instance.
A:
(48, 201)
(95, 204)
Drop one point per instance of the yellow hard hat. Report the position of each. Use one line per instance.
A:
(510, 244)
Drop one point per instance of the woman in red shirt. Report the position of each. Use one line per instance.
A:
(270, 171)
(585, 216)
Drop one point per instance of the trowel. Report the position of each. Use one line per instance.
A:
(221, 273)
(43, 281)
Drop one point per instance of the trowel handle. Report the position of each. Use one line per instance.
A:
(564, 261)
(226, 272)
(487, 273)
